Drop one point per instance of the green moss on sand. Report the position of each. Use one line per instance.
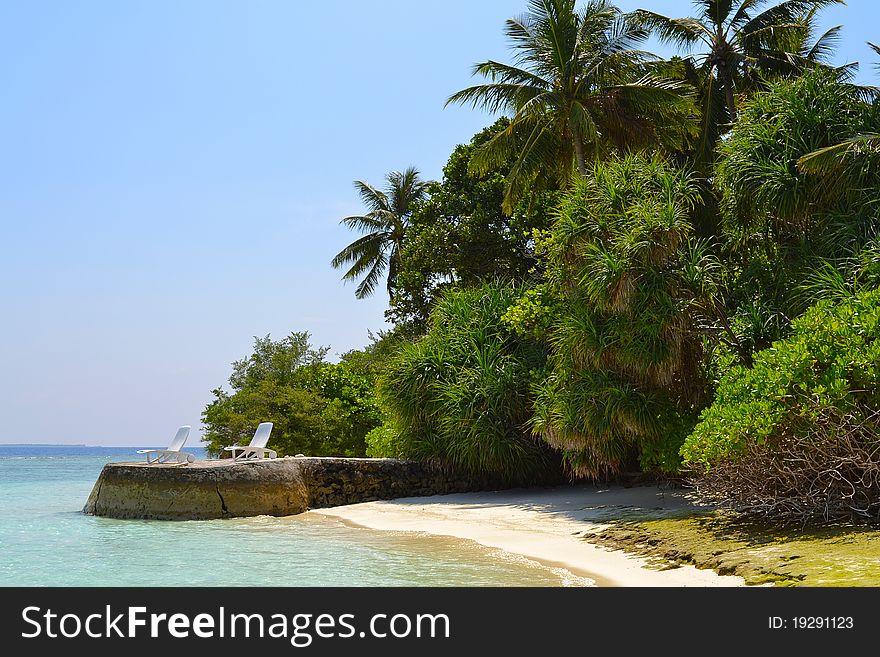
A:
(834, 556)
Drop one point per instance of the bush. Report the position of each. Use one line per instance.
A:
(806, 407)
(822, 468)
(460, 396)
(761, 186)
(318, 408)
(383, 443)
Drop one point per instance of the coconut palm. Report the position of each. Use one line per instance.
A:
(385, 227)
(738, 43)
(577, 85)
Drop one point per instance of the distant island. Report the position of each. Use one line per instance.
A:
(44, 445)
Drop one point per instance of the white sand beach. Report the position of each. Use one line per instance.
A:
(546, 525)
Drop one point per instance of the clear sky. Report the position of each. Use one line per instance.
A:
(173, 172)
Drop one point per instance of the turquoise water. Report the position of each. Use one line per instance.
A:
(46, 540)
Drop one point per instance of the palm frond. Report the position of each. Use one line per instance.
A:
(791, 12)
(717, 10)
(508, 74)
(823, 49)
(742, 14)
(539, 152)
(363, 249)
(368, 285)
(519, 30)
(679, 32)
(374, 199)
(582, 123)
(367, 223)
(830, 159)
(623, 34)
(876, 49)
(495, 97)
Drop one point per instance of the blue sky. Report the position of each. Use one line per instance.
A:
(173, 174)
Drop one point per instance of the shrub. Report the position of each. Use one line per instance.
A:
(782, 226)
(806, 407)
(383, 443)
(460, 396)
(822, 468)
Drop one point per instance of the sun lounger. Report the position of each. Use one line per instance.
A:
(172, 453)
(256, 449)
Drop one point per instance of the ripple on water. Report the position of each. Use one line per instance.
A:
(47, 541)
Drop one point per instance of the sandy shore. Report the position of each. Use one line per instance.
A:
(546, 525)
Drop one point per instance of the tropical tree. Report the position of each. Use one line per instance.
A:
(739, 44)
(385, 225)
(627, 289)
(797, 435)
(783, 230)
(318, 408)
(459, 235)
(577, 86)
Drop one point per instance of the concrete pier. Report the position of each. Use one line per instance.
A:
(278, 487)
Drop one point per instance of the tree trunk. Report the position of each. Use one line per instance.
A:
(731, 102)
(726, 79)
(579, 156)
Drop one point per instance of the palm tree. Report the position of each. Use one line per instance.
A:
(739, 44)
(578, 84)
(385, 226)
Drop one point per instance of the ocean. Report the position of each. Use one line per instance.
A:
(46, 540)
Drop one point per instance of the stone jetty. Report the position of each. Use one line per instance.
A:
(225, 488)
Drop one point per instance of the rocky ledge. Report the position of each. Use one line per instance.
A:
(279, 487)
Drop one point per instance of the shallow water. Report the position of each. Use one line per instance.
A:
(46, 540)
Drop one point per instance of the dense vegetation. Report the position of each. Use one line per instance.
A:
(625, 282)
(799, 431)
(461, 394)
(663, 266)
(318, 408)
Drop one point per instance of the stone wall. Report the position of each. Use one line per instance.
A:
(278, 487)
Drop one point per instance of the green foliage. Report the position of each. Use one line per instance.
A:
(783, 227)
(378, 251)
(460, 396)
(758, 174)
(736, 46)
(383, 442)
(459, 236)
(629, 283)
(532, 313)
(607, 332)
(318, 408)
(831, 360)
(579, 85)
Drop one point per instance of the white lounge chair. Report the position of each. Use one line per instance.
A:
(172, 453)
(256, 449)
